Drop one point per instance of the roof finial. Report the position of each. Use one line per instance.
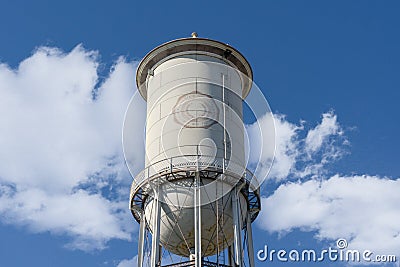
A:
(194, 34)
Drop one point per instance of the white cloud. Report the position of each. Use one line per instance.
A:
(295, 156)
(267, 146)
(286, 147)
(90, 218)
(362, 209)
(128, 263)
(61, 147)
(321, 133)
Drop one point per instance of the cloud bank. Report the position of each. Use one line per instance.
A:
(298, 153)
(310, 197)
(362, 209)
(61, 163)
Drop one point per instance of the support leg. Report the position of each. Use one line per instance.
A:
(250, 248)
(230, 256)
(142, 229)
(197, 220)
(237, 228)
(155, 242)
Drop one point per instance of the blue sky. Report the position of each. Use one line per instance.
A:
(328, 69)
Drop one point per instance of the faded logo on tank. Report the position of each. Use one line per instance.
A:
(196, 110)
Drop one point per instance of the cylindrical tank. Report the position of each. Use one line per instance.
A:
(186, 83)
(185, 111)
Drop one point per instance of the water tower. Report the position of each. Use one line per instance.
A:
(195, 200)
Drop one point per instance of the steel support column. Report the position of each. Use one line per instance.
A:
(230, 256)
(197, 220)
(237, 228)
(142, 230)
(155, 242)
(250, 248)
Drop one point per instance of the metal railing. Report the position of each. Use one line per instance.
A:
(192, 163)
(192, 263)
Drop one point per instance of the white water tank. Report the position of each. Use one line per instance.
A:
(185, 83)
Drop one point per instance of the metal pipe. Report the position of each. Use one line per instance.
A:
(155, 242)
(230, 256)
(142, 229)
(224, 117)
(197, 217)
(250, 248)
(237, 228)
